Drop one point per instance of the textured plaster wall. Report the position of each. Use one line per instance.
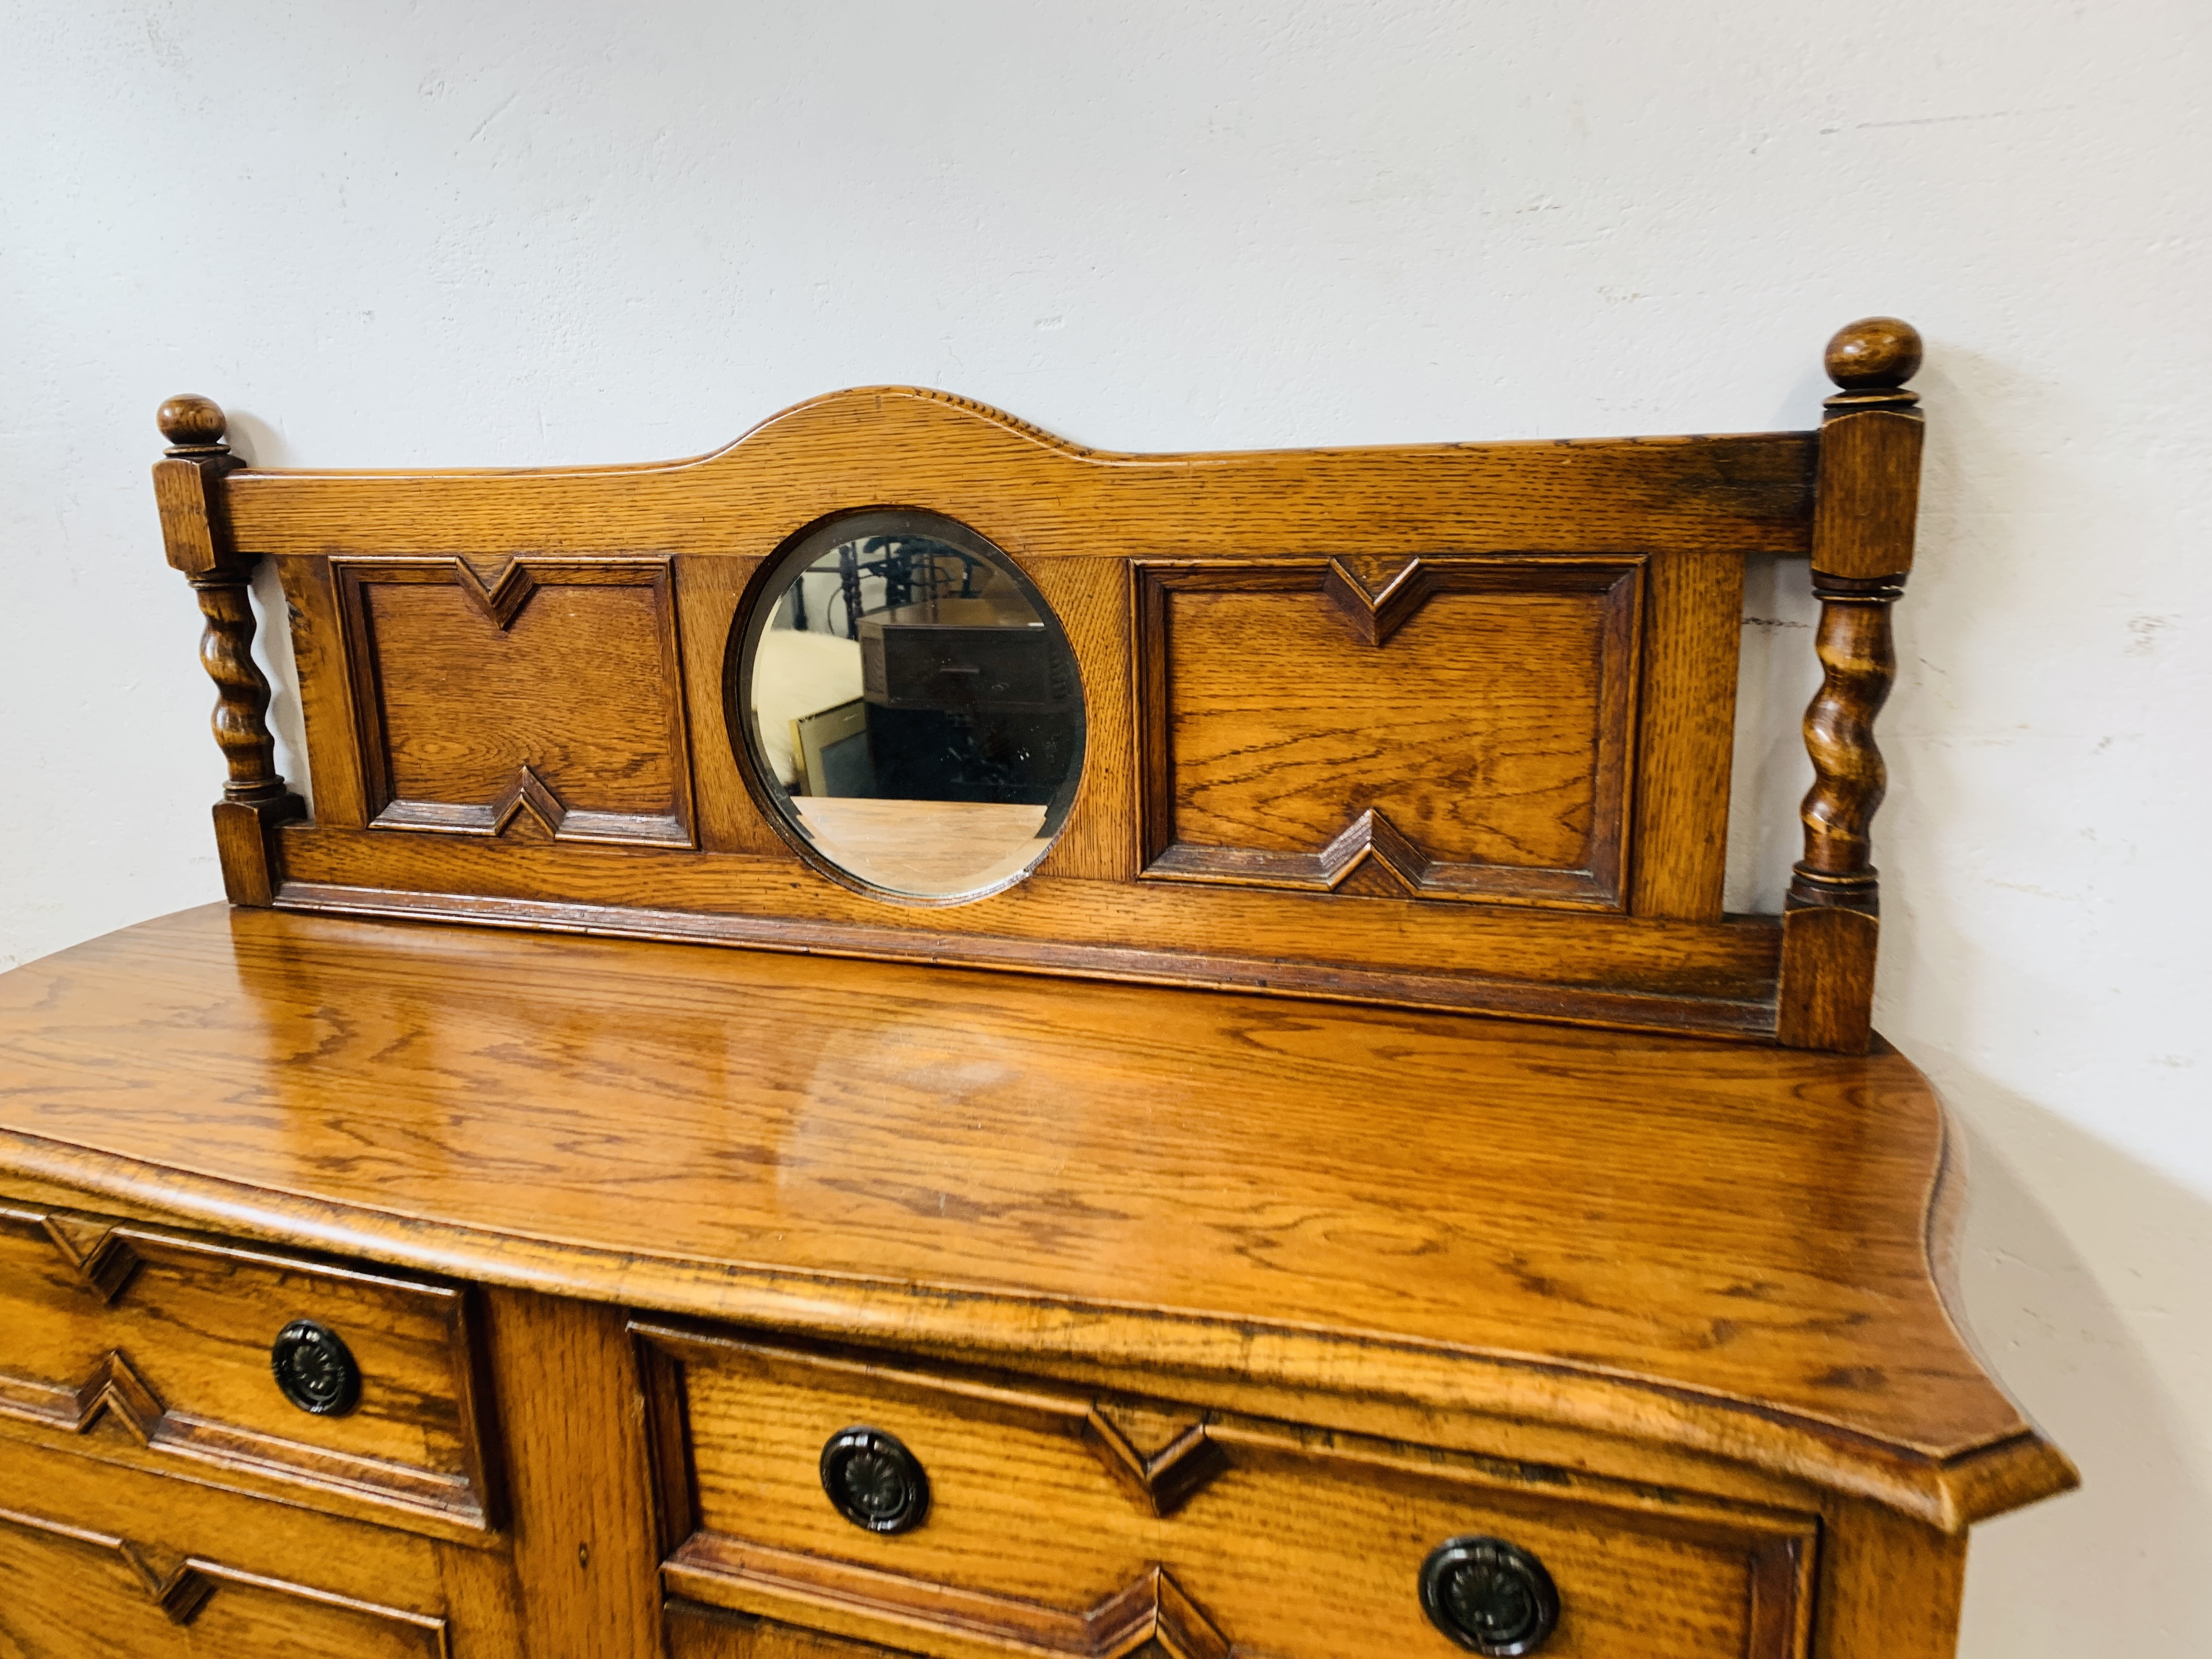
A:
(519, 233)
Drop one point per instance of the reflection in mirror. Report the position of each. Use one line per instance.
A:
(913, 708)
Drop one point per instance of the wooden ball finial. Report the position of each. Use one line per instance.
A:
(1875, 354)
(189, 421)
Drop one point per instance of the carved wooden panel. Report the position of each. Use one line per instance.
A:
(1059, 1524)
(1150, 1617)
(144, 1348)
(68, 1592)
(1584, 788)
(1443, 728)
(545, 702)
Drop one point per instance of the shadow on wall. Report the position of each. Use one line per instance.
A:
(2120, 1566)
(258, 444)
(2080, 1269)
(1777, 674)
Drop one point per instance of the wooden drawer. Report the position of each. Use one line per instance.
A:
(702, 1632)
(1060, 1523)
(98, 1560)
(153, 1348)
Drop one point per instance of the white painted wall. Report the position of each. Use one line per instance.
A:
(521, 233)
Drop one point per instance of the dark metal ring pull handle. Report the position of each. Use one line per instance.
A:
(874, 1481)
(1489, 1596)
(315, 1369)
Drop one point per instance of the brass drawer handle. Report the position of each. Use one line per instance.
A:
(874, 1481)
(315, 1369)
(1489, 1596)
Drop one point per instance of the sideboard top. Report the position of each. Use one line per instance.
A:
(1720, 1245)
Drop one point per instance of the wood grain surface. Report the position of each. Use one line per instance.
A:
(151, 1347)
(1489, 726)
(582, 1537)
(1714, 1246)
(1289, 1546)
(1037, 496)
(1208, 1314)
(1523, 698)
(196, 535)
(97, 1562)
(1625, 971)
(563, 675)
(695, 1632)
(1863, 529)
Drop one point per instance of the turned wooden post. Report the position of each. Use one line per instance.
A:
(188, 485)
(1864, 509)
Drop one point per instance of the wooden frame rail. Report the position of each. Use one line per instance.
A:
(1444, 725)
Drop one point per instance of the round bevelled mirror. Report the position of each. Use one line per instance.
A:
(908, 706)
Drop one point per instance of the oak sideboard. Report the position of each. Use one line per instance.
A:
(907, 1038)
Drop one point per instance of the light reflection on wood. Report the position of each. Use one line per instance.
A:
(925, 847)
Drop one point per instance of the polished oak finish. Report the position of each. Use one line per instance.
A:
(1181, 1300)
(1265, 1171)
(581, 1541)
(436, 1253)
(1049, 1536)
(152, 1348)
(188, 488)
(546, 703)
(1866, 504)
(1353, 716)
(1259, 768)
(97, 1562)
(92, 1596)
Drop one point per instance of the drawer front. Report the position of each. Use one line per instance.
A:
(156, 1348)
(98, 1560)
(702, 1632)
(1055, 1522)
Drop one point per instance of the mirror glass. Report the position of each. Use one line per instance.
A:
(912, 708)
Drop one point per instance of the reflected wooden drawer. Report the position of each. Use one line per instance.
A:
(97, 1561)
(1042, 1519)
(151, 1347)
